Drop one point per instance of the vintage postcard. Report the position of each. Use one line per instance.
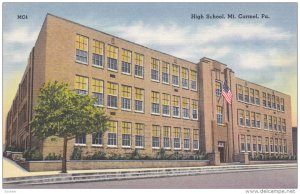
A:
(150, 96)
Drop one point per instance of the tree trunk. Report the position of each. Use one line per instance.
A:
(64, 160)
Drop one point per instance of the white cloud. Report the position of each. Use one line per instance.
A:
(20, 35)
(217, 41)
(241, 32)
(266, 58)
(173, 34)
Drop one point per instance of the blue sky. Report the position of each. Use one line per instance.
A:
(263, 51)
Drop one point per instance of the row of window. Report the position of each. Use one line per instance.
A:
(165, 137)
(247, 119)
(274, 123)
(251, 96)
(160, 70)
(112, 91)
(273, 102)
(256, 144)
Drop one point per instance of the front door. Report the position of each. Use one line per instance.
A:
(221, 149)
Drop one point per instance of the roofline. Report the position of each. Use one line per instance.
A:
(203, 58)
(49, 14)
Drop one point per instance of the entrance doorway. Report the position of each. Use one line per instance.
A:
(221, 149)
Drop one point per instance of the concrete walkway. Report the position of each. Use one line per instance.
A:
(13, 174)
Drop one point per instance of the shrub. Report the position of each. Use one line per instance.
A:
(161, 155)
(76, 155)
(199, 155)
(53, 156)
(175, 156)
(135, 155)
(32, 154)
(99, 156)
(115, 156)
(13, 148)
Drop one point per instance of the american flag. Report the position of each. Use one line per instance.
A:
(226, 92)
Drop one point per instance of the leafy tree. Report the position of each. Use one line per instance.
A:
(62, 113)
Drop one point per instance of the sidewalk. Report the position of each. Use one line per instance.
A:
(14, 174)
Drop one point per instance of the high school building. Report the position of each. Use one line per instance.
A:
(155, 100)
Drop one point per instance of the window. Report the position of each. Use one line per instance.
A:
(218, 88)
(97, 138)
(186, 139)
(166, 136)
(240, 93)
(283, 125)
(81, 49)
(195, 139)
(284, 146)
(193, 80)
(166, 104)
(280, 145)
(112, 133)
(185, 77)
(247, 118)
(267, 144)
(264, 99)
(139, 65)
(252, 96)
(155, 102)
(271, 145)
(248, 143)
(185, 108)
(243, 143)
(80, 139)
(273, 102)
(254, 144)
(195, 109)
(155, 69)
(275, 123)
(126, 134)
(279, 124)
(253, 122)
(81, 85)
(277, 103)
(126, 97)
(155, 136)
(259, 142)
(241, 117)
(176, 106)
(176, 138)
(112, 58)
(265, 122)
(246, 89)
(282, 104)
(139, 100)
(97, 92)
(175, 75)
(139, 135)
(165, 72)
(98, 53)
(269, 100)
(257, 100)
(219, 115)
(112, 95)
(257, 115)
(276, 145)
(270, 122)
(126, 61)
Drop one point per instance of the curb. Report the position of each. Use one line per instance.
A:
(137, 174)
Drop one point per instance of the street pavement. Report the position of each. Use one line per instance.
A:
(267, 179)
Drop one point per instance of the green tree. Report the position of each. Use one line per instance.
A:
(62, 113)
